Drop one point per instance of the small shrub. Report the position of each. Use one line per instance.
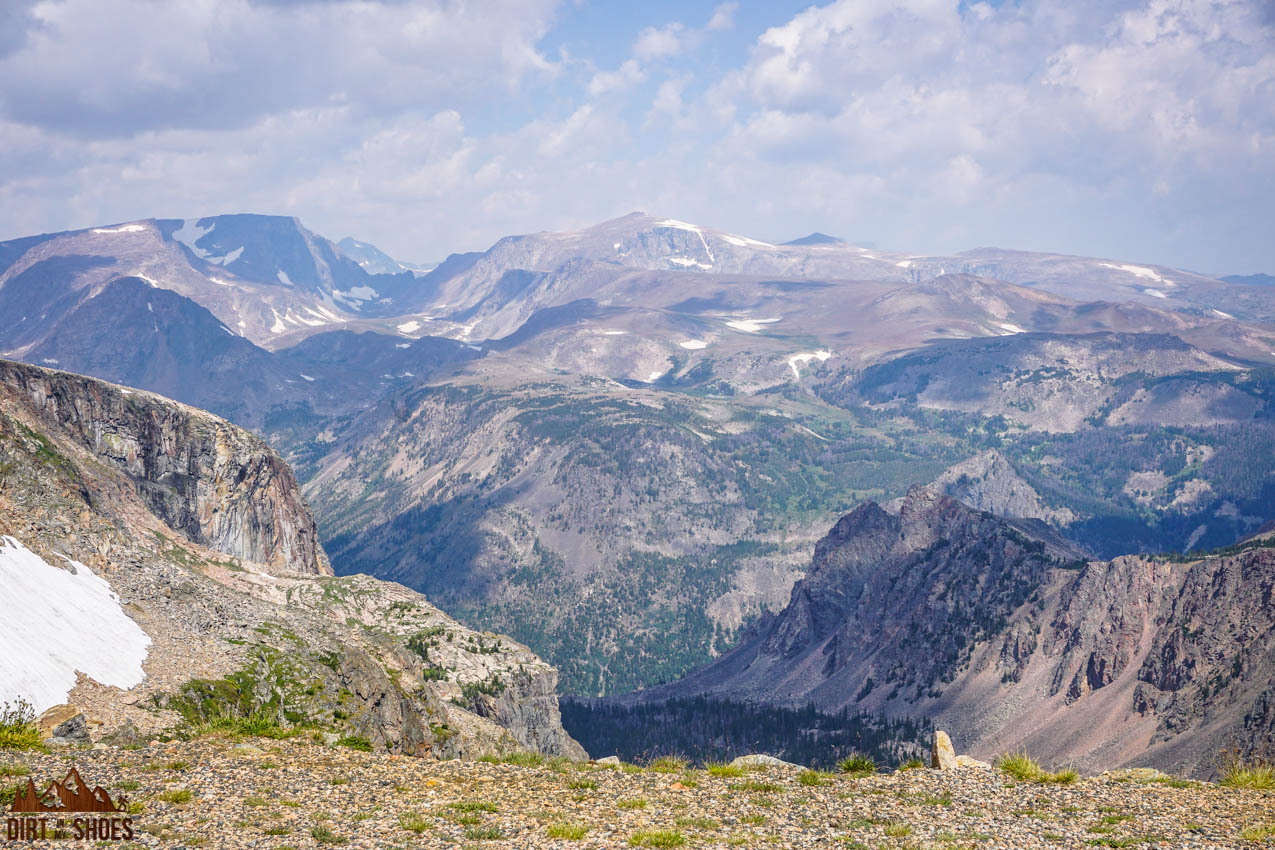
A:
(582, 784)
(324, 835)
(898, 830)
(17, 727)
(14, 770)
(857, 764)
(355, 742)
(912, 764)
(567, 830)
(657, 838)
(631, 804)
(484, 833)
(278, 829)
(177, 795)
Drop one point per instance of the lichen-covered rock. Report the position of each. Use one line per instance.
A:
(942, 755)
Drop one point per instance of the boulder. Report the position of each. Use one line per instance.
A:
(943, 755)
(970, 761)
(63, 724)
(609, 760)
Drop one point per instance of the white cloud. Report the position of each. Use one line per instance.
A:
(1143, 131)
(723, 17)
(658, 43)
(628, 74)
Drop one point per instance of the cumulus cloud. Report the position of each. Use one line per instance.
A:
(659, 42)
(1143, 129)
(93, 67)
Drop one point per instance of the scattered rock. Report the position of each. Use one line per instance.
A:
(1135, 774)
(970, 761)
(761, 760)
(609, 760)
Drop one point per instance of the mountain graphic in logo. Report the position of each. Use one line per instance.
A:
(72, 794)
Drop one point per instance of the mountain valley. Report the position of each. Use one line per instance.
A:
(620, 445)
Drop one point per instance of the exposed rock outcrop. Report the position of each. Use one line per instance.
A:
(171, 508)
(1006, 636)
(213, 483)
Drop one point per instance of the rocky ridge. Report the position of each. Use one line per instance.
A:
(169, 506)
(1008, 635)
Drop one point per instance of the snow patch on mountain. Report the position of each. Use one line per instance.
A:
(125, 228)
(679, 225)
(1140, 271)
(745, 242)
(806, 357)
(409, 327)
(283, 277)
(1155, 292)
(694, 344)
(58, 622)
(1010, 327)
(750, 326)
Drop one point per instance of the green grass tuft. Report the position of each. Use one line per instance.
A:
(857, 764)
(572, 831)
(657, 838)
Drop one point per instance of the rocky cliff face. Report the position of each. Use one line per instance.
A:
(1002, 633)
(206, 545)
(211, 482)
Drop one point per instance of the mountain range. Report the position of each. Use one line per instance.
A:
(620, 445)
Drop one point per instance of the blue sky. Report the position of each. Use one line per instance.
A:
(1140, 129)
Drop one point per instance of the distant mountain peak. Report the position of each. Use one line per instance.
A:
(816, 238)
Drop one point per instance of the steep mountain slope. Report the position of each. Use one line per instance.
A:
(184, 543)
(1003, 634)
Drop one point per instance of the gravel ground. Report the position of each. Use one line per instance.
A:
(277, 794)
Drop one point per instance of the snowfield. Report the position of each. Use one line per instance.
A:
(125, 228)
(806, 357)
(58, 622)
(749, 326)
(694, 344)
(1140, 271)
